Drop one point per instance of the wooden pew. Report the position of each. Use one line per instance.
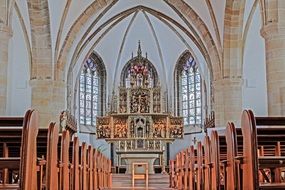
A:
(232, 152)
(251, 163)
(234, 144)
(191, 167)
(172, 173)
(27, 162)
(185, 168)
(52, 155)
(228, 149)
(59, 166)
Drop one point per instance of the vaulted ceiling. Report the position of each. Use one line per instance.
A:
(112, 28)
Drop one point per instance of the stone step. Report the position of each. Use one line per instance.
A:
(156, 181)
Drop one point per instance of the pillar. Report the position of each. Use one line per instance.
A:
(48, 97)
(5, 35)
(273, 31)
(228, 101)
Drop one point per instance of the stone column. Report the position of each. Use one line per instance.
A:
(48, 97)
(5, 35)
(274, 35)
(273, 31)
(228, 101)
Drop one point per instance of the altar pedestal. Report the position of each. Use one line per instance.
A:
(139, 158)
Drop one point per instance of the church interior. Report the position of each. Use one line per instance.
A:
(142, 94)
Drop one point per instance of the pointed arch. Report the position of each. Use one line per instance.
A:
(92, 90)
(188, 89)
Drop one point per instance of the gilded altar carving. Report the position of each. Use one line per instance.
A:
(159, 128)
(156, 100)
(138, 122)
(123, 101)
(120, 128)
(103, 127)
(140, 100)
(176, 127)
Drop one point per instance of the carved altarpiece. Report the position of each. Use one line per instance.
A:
(138, 126)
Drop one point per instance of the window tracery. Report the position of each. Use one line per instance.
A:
(91, 90)
(189, 97)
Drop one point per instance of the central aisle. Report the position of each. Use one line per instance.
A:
(156, 181)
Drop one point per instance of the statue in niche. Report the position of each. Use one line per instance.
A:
(134, 103)
(144, 102)
(63, 120)
(129, 145)
(123, 101)
(140, 132)
(139, 80)
(157, 145)
(122, 109)
(147, 128)
(140, 127)
(132, 126)
(150, 144)
(162, 128)
(122, 145)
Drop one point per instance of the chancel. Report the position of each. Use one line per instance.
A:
(132, 94)
(138, 126)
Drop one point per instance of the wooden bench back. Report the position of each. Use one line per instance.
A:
(28, 166)
(47, 160)
(51, 168)
(215, 158)
(232, 150)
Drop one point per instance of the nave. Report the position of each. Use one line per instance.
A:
(250, 157)
(53, 158)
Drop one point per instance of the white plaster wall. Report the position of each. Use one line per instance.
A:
(76, 8)
(19, 91)
(247, 9)
(219, 11)
(201, 8)
(56, 9)
(179, 145)
(254, 69)
(24, 11)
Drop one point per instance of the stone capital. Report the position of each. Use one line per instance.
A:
(39, 82)
(228, 82)
(272, 29)
(47, 82)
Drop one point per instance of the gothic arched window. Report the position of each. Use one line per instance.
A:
(92, 90)
(188, 97)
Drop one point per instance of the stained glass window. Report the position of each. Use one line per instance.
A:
(138, 71)
(91, 90)
(189, 90)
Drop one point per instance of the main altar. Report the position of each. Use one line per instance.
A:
(138, 127)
